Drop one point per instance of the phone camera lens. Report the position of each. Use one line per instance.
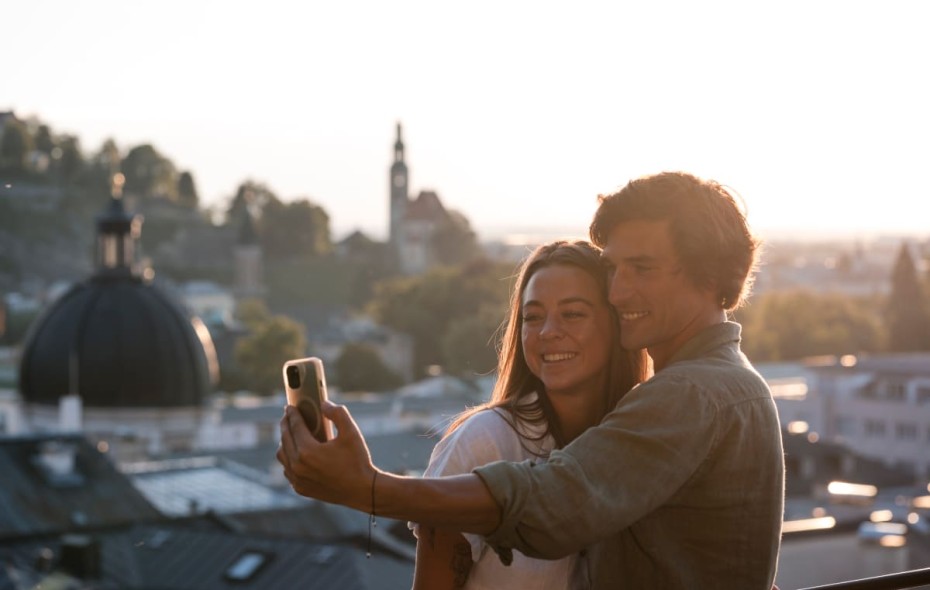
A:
(293, 377)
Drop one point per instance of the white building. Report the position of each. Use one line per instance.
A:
(878, 406)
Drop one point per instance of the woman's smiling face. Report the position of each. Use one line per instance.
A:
(566, 330)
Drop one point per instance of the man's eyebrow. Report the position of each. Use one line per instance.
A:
(639, 258)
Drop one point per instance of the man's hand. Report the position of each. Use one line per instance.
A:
(338, 471)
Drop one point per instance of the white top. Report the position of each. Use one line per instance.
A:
(485, 437)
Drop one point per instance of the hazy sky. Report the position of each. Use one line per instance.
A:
(517, 113)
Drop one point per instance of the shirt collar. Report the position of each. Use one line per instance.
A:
(708, 340)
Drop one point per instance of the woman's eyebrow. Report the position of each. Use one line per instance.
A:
(576, 299)
(564, 301)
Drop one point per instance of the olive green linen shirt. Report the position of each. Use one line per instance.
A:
(680, 486)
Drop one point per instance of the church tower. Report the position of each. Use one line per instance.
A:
(247, 260)
(399, 186)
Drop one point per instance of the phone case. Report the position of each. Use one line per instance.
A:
(305, 385)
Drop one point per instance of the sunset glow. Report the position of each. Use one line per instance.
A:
(821, 135)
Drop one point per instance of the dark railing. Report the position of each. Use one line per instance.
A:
(898, 581)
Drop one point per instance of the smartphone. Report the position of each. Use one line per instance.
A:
(305, 384)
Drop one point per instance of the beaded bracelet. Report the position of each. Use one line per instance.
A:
(371, 515)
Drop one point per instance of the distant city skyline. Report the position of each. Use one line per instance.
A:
(517, 114)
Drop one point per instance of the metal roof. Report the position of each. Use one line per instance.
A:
(59, 483)
(173, 557)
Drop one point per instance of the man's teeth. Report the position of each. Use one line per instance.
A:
(562, 356)
(633, 315)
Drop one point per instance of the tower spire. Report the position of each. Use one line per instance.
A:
(399, 181)
(399, 145)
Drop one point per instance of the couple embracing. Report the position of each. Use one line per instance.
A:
(628, 442)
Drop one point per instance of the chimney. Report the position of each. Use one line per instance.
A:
(70, 414)
(81, 556)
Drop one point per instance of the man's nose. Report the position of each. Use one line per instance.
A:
(618, 290)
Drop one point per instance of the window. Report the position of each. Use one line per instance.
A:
(845, 425)
(905, 431)
(874, 428)
(247, 565)
(923, 395)
(896, 391)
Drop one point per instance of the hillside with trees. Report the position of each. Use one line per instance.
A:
(52, 190)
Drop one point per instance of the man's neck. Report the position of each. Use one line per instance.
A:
(662, 356)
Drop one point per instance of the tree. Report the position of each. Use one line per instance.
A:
(15, 144)
(44, 142)
(252, 196)
(360, 368)
(469, 346)
(792, 325)
(108, 158)
(71, 160)
(252, 312)
(272, 341)
(368, 262)
(906, 312)
(293, 230)
(149, 174)
(16, 326)
(425, 306)
(187, 190)
(454, 242)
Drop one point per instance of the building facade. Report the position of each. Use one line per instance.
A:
(878, 406)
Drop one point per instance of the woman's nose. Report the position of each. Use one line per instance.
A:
(551, 328)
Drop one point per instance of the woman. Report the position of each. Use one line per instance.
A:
(559, 371)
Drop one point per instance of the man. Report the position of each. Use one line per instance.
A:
(682, 484)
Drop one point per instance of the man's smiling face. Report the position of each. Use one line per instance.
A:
(659, 307)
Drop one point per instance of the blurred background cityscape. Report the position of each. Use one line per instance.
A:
(148, 301)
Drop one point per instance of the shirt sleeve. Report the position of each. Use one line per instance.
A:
(607, 478)
(484, 437)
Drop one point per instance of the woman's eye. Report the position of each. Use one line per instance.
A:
(530, 317)
(574, 314)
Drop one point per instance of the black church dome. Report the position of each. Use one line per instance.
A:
(117, 339)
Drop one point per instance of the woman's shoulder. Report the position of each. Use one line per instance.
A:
(495, 422)
(483, 437)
